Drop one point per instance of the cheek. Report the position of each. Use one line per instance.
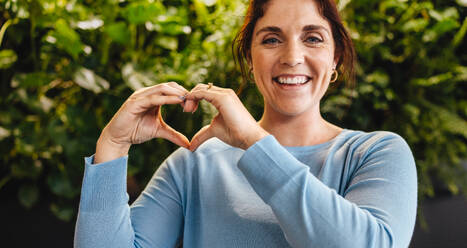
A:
(262, 63)
(259, 60)
(325, 57)
(321, 62)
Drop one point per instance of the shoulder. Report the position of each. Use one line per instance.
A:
(379, 149)
(369, 141)
(374, 146)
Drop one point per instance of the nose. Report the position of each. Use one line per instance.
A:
(292, 55)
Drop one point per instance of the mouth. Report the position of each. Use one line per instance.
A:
(291, 80)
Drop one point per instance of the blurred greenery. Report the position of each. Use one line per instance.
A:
(67, 66)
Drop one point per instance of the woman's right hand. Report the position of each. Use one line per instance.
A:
(139, 119)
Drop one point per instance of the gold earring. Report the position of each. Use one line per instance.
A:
(334, 75)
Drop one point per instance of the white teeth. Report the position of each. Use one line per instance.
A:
(292, 80)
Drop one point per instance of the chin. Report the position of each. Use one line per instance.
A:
(292, 109)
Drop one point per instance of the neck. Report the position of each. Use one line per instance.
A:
(305, 129)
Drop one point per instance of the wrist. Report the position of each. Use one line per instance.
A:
(107, 149)
(255, 137)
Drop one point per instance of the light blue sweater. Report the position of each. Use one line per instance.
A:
(357, 190)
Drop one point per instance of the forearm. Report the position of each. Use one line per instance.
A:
(311, 213)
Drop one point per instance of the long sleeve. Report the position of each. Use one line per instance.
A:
(103, 217)
(377, 208)
(106, 220)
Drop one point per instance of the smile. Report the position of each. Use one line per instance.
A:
(292, 80)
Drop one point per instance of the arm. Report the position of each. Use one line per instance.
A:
(105, 219)
(377, 209)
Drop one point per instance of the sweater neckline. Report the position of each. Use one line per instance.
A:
(301, 149)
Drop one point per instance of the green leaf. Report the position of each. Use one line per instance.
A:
(209, 2)
(31, 80)
(175, 29)
(64, 213)
(167, 42)
(415, 25)
(136, 79)
(461, 72)
(4, 133)
(452, 122)
(7, 58)
(4, 180)
(379, 78)
(28, 195)
(60, 185)
(89, 80)
(460, 34)
(439, 29)
(433, 80)
(67, 38)
(453, 188)
(141, 12)
(201, 11)
(413, 112)
(118, 32)
(26, 169)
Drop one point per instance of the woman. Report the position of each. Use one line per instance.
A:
(289, 180)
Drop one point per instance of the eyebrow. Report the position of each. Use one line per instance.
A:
(306, 28)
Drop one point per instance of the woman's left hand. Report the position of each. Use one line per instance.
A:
(233, 124)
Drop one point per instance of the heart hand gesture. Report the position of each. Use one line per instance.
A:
(139, 120)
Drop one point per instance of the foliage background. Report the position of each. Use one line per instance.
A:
(67, 66)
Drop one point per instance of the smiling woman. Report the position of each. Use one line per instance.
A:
(291, 179)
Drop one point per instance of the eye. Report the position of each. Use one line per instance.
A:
(313, 39)
(270, 41)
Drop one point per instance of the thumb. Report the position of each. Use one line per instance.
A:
(202, 135)
(190, 106)
(168, 133)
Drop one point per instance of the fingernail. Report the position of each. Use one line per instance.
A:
(183, 98)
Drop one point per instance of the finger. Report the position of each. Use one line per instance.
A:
(202, 135)
(209, 87)
(190, 106)
(210, 95)
(168, 133)
(170, 88)
(178, 86)
(156, 100)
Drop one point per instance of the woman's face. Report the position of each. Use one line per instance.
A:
(292, 55)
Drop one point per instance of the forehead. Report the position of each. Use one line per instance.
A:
(291, 15)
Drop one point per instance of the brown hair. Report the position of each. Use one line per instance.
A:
(241, 45)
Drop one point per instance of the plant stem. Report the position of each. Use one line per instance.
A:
(3, 29)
